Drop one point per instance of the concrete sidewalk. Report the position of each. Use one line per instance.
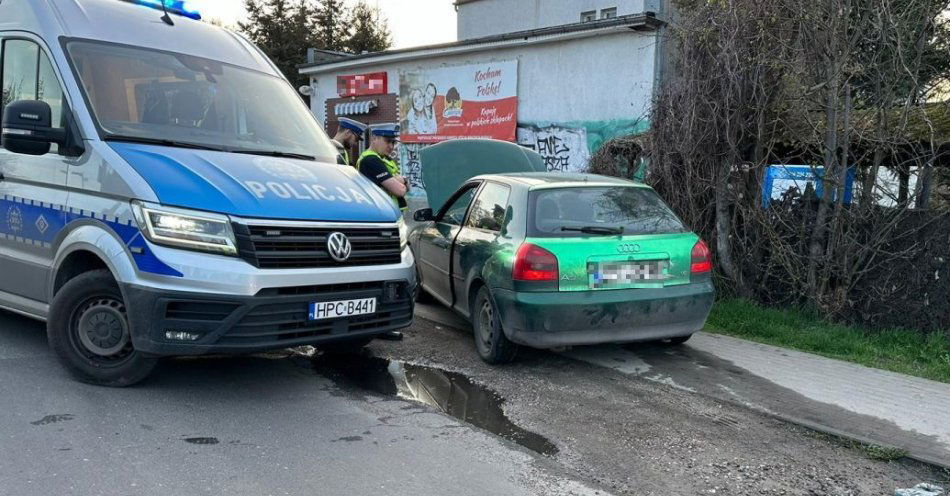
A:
(841, 398)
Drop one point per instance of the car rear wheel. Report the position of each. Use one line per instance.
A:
(490, 341)
(89, 330)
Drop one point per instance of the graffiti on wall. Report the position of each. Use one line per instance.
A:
(563, 149)
(411, 166)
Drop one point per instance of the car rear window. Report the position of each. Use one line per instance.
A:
(635, 210)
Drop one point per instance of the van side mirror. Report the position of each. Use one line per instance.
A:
(27, 127)
(423, 215)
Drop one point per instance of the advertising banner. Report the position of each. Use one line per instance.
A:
(470, 101)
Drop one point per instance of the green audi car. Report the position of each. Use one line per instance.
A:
(551, 260)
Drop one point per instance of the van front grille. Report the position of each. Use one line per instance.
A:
(286, 318)
(296, 247)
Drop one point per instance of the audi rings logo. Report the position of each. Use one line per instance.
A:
(628, 248)
(339, 247)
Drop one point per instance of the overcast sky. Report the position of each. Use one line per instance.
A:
(412, 22)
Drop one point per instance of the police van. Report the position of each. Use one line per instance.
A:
(164, 191)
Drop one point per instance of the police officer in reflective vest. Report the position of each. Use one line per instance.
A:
(376, 163)
(348, 135)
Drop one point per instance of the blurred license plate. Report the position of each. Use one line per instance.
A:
(347, 308)
(619, 274)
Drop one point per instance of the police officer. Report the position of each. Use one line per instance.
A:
(377, 164)
(348, 135)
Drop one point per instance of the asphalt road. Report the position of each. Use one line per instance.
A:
(287, 423)
(259, 425)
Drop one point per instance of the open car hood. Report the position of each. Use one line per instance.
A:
(448, 165)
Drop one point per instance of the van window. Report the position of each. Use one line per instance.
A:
(28, 75)
(562, 212)
(49, 90)
(489, 209)
(149, 94)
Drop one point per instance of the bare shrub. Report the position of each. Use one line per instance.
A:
(834, 84)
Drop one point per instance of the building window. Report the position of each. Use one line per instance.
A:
(589, 16)
(608, 13)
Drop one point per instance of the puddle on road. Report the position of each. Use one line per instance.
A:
(452, 393)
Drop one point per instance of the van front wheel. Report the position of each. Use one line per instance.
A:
(89, 330)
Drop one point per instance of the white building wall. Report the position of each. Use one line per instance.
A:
(601, 78)
(490, 17)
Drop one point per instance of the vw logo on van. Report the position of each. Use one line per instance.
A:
(628, 248)
(339, 247)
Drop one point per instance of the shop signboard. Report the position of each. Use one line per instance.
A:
(374, 83)
(469, 101)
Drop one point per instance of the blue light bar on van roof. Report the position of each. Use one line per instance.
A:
(178, 7)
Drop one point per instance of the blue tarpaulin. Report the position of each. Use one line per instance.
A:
(780, 178)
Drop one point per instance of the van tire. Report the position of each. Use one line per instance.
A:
(89, 331)
(490, 341)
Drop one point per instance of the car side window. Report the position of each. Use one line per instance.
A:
(455, 214)
(489, 209)
(28, 75)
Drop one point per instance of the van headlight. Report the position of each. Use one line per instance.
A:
(186, 229)
(403, 233)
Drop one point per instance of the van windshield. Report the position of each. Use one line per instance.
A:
(145, 95)
(585, 211)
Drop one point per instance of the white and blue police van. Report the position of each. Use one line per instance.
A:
(164, 191)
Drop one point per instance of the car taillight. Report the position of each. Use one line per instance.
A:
(701, 258)
(533, 263)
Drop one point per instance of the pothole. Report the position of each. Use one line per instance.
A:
(452, 393)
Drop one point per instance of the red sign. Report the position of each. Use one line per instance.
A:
(376, 83)
(472, 101)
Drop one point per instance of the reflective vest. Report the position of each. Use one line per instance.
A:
(393, 169)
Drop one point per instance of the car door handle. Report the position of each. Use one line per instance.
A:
(442, 243)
